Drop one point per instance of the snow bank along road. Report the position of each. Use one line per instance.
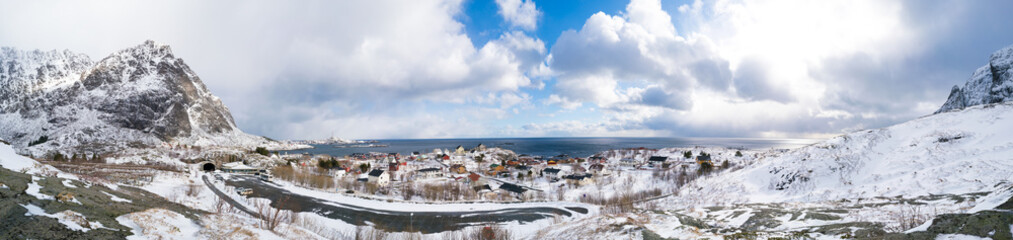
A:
(427, 218)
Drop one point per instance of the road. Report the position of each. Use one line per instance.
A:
(423, 221)
(229, 199)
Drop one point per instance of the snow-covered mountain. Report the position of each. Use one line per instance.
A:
(137, 97)
(992, 83)
(965, 147)
(954, 152)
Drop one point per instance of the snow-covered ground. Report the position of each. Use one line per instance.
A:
(948, 153)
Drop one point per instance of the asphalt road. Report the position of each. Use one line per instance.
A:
(424, 221)
(229, 199)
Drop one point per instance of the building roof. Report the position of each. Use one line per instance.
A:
(429, 170)
(483, 187)
(512, 188)
(237, 166)
(375, 172)
(577, 177)
(703, 158)
(658, 159)
(552, 170)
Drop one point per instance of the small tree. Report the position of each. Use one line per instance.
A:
(687, 154)
(262, 151)
(738, 153)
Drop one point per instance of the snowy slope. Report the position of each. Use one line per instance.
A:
(992, 83)
(954, 152)
(138, 97)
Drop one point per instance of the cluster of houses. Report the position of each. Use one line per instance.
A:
(482, 168)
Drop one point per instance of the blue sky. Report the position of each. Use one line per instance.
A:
(529, 68)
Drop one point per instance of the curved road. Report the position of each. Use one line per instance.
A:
(229, 199)
(424, 221)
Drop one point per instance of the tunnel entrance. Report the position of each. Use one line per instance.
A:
(209, 167)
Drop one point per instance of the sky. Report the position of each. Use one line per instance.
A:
(387, 69)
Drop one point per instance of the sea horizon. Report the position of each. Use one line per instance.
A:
(552, 146)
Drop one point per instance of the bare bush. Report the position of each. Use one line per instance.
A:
(370, 233)
(271, 217)
(193, 189)
(313, 225)
(489, 233)
(907, 217)
(221, 206)
(622, 202)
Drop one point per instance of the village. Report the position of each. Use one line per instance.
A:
(483, 174)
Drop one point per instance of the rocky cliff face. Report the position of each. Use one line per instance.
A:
(139, 96)
(992, 83)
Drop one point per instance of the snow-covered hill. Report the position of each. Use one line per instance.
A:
(137, 97)
(992, 83)
(953, 152)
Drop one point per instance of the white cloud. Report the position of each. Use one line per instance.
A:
(639, 47)
(738, 68)
(341, 58)
(519, 13)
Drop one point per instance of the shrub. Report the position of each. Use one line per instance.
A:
(41, 140)
(262, 151)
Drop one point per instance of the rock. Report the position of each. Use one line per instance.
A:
(137, 97)
(992, 83)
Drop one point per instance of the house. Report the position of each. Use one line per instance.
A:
(339, 173)
(495, 168)
(475, 179)
(629, 162)
(657, 161)
(393, 166)
(379, 177)
(551, 163)
(459, 150)
(579, 179)
(702, 159)
(458, 169)
(598, 169)
(551, 172)
(596, 159)
(480, 147)
(239, 167)
(515, 190)
(426, 173)
(485, 190)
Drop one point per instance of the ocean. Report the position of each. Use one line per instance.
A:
(575, 147)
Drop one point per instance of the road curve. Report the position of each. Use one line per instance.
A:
(228, 199)
(423, 221)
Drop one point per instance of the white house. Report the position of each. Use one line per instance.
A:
(427, 173)
(340, 173)
(579, 179)
(629, 162)
(379, 177)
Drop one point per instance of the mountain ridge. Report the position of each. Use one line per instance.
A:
(992, 83)
(138, 96)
